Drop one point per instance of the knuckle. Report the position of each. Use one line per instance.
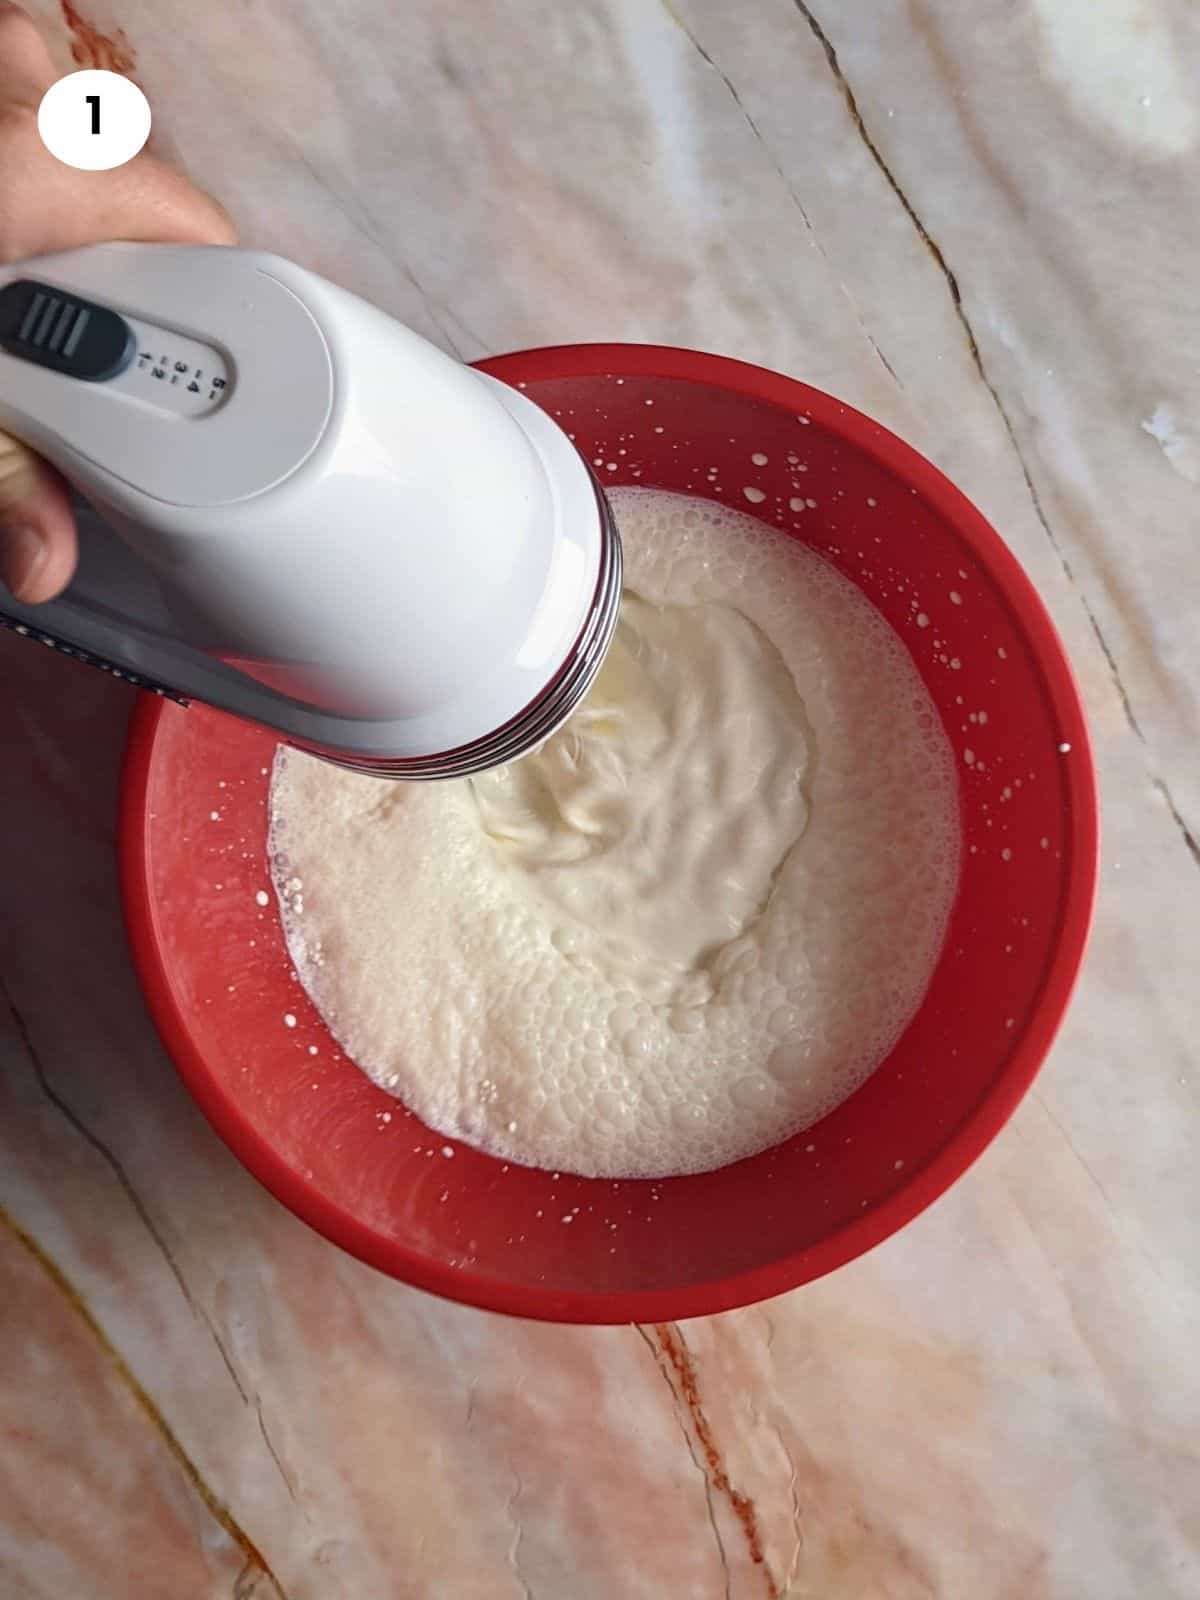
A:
(15, 23)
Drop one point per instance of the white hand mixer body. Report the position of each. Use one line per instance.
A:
(297, 510)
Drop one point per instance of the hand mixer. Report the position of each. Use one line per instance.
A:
(295, 509)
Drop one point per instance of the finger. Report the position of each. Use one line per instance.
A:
(26, 70)
(46, 206)
(26, 67)
(147, 200)
(37, 526)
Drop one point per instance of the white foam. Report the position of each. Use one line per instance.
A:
(514, 1017)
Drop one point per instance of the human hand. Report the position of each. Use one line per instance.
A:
(44, 206)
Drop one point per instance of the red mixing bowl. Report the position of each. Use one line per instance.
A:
(357, 1166)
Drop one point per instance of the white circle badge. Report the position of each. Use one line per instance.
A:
(94, 120)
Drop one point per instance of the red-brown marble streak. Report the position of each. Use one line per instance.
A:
(91, 48)
(88, 1467)
(670, 1342)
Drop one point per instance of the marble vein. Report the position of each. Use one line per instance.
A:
(107, 1155)
(956, 298)
(135, 1200)
(936, 252)
(685, 1431)
(357, 214)
(960, 311)
(1190, 842)
(788, 185)
(255, 1564)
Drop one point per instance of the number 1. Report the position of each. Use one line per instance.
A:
(93, 100)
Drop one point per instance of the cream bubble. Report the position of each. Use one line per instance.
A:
(687, 1021)
(752, 1092)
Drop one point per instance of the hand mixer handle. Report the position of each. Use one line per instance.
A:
(310, 516)
(116, 616)
(96, 373)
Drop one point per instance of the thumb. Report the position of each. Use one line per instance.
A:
(37, 527)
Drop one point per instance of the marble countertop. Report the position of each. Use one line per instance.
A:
(978, 223)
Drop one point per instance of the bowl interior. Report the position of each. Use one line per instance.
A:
(355, 1164)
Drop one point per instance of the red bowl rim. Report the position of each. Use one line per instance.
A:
(973, 1134)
